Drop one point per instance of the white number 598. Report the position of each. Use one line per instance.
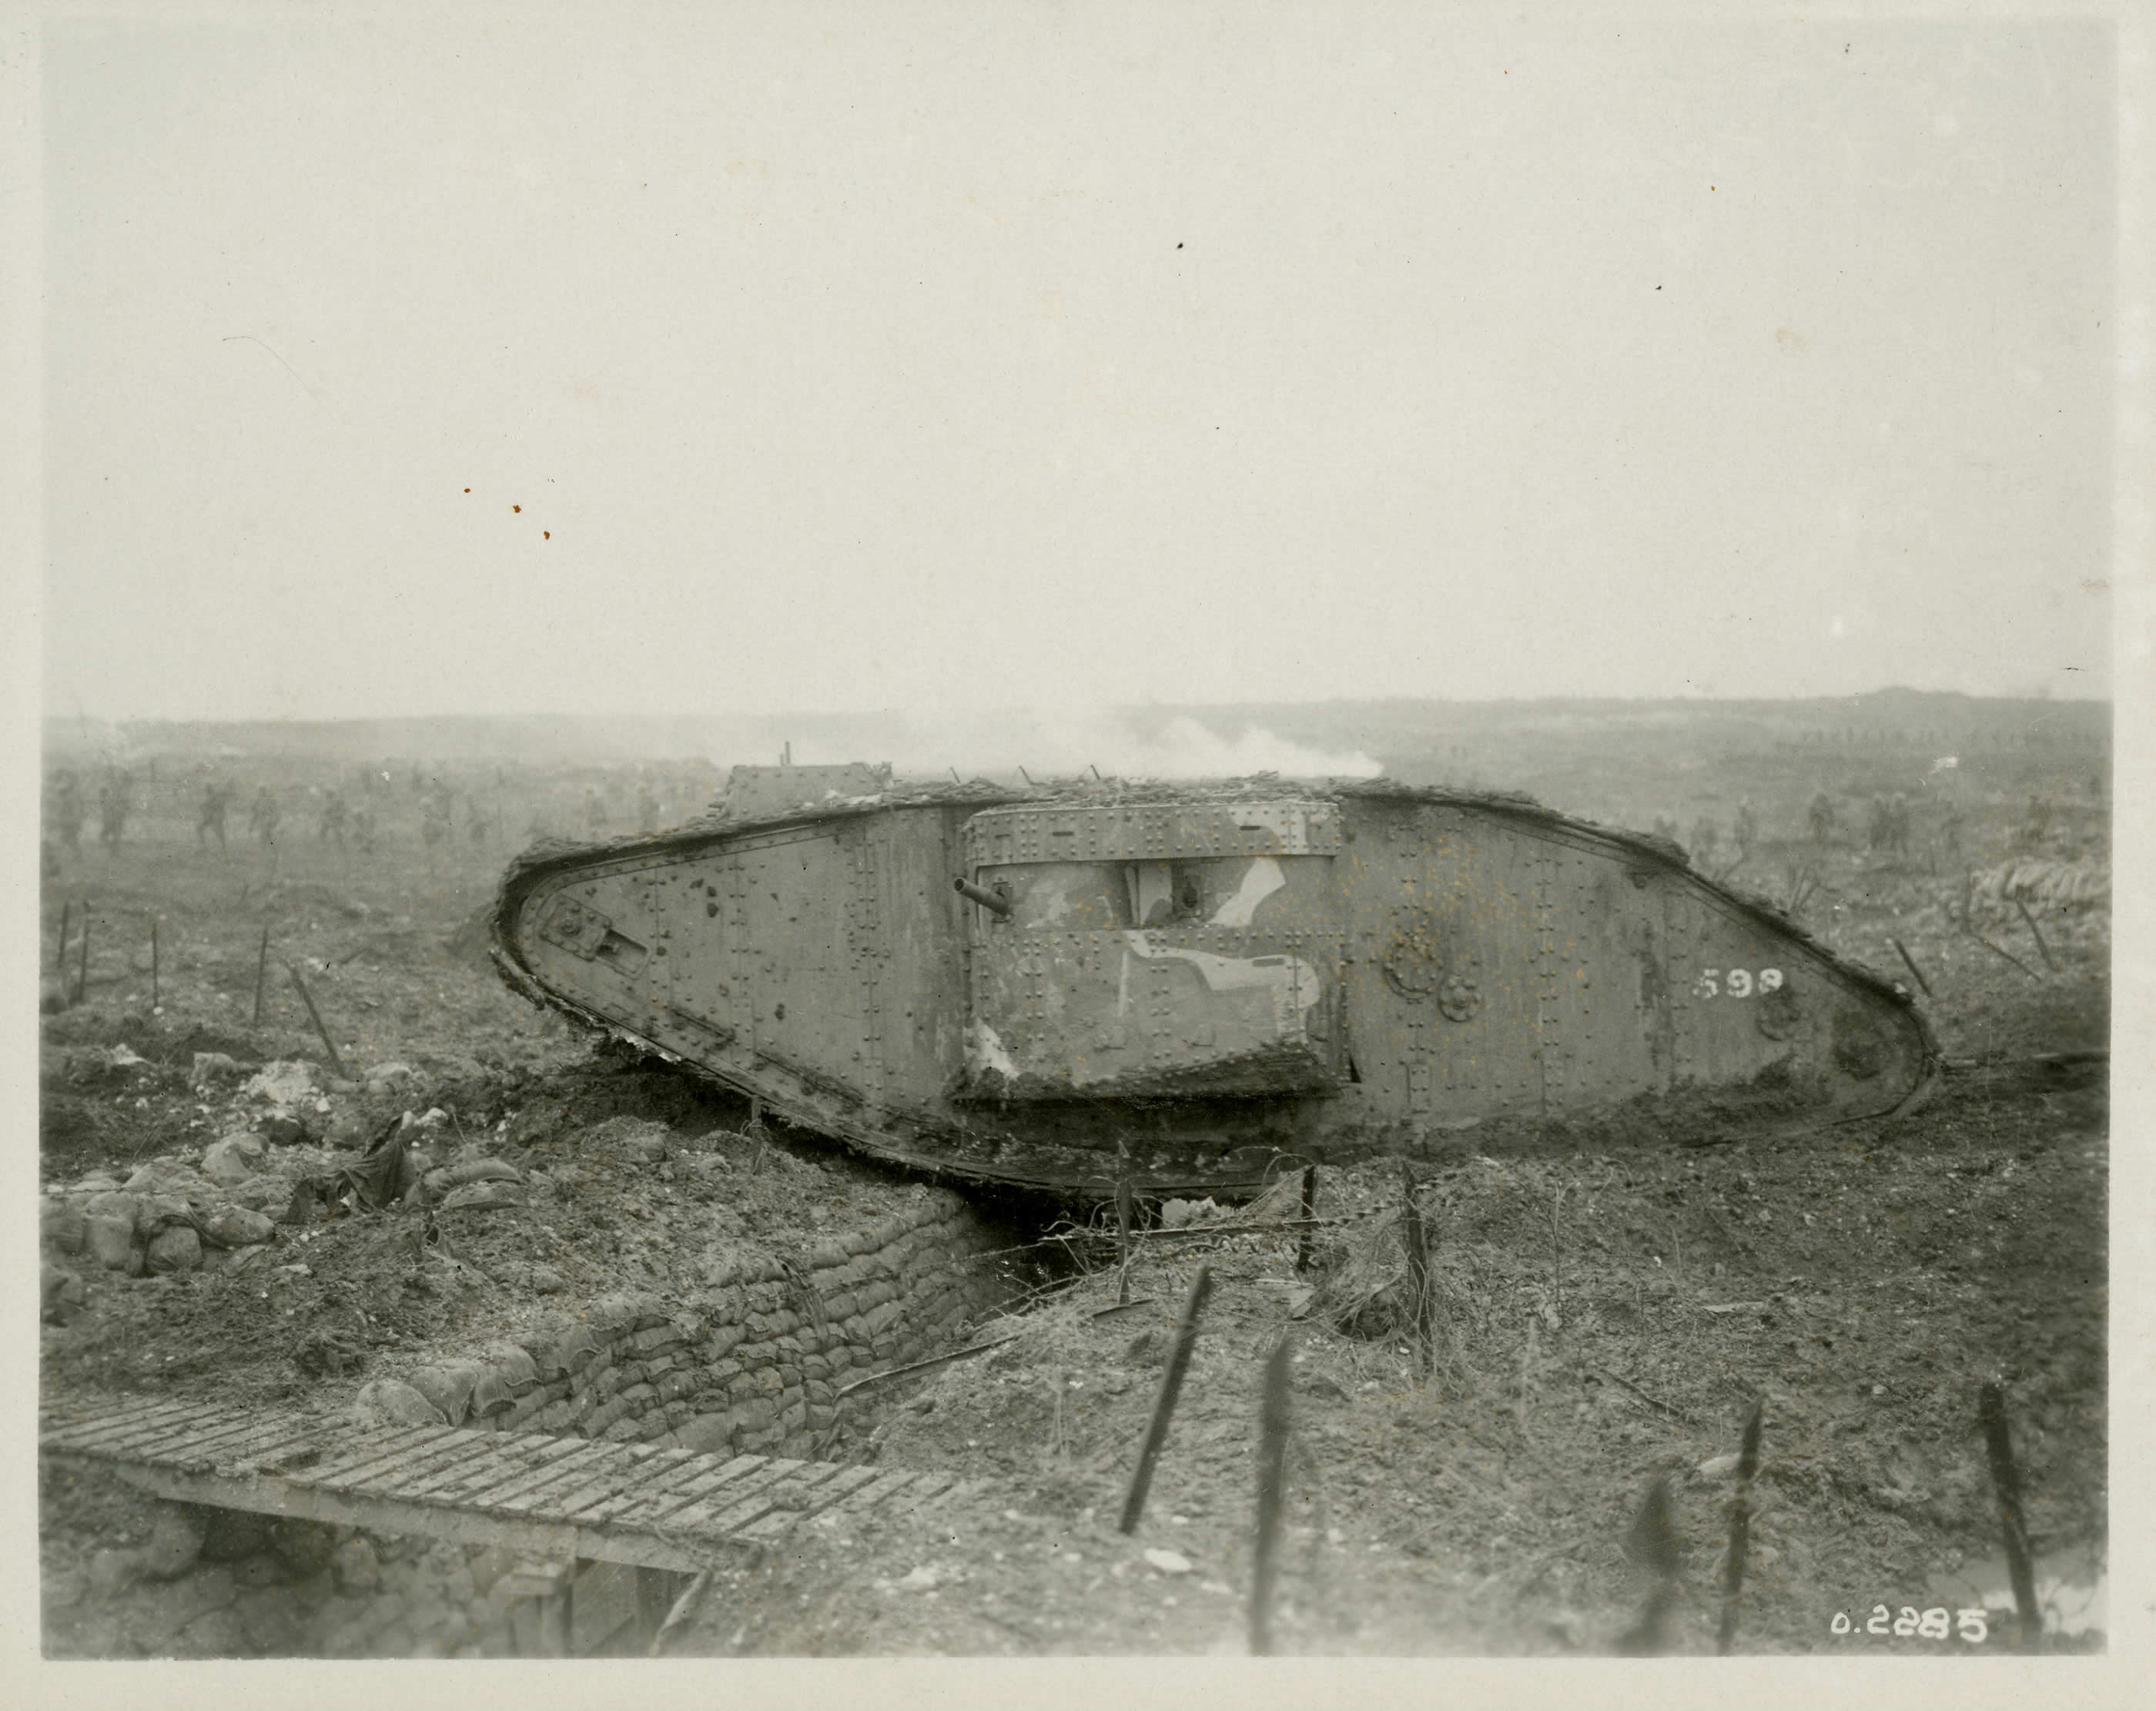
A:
(1739, 983)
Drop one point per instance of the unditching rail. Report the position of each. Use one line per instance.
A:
(567, 1500)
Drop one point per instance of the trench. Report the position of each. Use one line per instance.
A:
(785, 1351)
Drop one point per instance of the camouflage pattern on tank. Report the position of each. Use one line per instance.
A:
(1009, 985)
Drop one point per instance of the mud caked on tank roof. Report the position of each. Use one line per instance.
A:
(1219, 981)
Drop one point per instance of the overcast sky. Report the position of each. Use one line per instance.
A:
(796, 357)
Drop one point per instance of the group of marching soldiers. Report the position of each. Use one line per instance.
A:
(337, 820)
(265, 815)
(1887, 827)
(115, 802)
(647, 812)
(1886, 824)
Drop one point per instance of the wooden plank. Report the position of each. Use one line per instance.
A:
(482, 1453)
(297, 1457)
(86, 1433)
(514, 1474)
(810, 1476)
(514, 1454)
(553, 1622)
(600, 1480)
(918, 1495)
(669, 1487)
(268, 1449)
(196, 1441)
(698, 1517)
(390, 1479)
(527, 1535)
(780, 1517)
(531, 1538)
(778, 1497)
(657, 1505)
(226, 1446)
(533, 1491)
(602, 1600)
(656, 1594)
(826, 1497)
(120, 1437)
(785, 1503)
(367, 1447)
(260, 1455)
(342, 1442)
(773, 1495)
(545, 1472)
(408, 1461)
(664, 1471)
(563, 1475)
(92, 1412)
(411, 1442)
(872, 1495)
(640, 1456)
(843, 1484)
(505, 1453)
(143, 1427)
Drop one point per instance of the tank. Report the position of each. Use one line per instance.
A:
(1200, 985)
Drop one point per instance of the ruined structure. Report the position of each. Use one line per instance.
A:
(1017, 986)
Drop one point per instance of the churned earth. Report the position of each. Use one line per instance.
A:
(1603, 1320)
(1604, 1317)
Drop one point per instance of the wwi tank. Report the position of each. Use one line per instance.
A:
(1009, 986)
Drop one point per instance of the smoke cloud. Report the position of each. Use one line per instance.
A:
(1128, 743)
(1121, 743)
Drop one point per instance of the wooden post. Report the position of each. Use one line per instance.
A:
(1740, 1528)
(1651, 1543)
(82, 966)
(307, 998)
(2036, 933)
(1272, 1465)
(1556, 1252)
(261, 969)
(1309, 1212)
(1164, 1402)
(2006, 1482)
(554, 1623)
(1412, 1238)
(1126, 1206)
(153, 965)
(685, 1607)
(60, 958)
(1911, 962)
(2008, 955)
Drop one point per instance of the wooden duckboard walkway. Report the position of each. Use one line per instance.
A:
(547, 1496)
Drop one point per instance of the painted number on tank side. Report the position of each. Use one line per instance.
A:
(1736, 982)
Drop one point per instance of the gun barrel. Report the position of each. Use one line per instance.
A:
(980, 894)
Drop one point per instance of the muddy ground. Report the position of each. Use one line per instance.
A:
(1604, 1318)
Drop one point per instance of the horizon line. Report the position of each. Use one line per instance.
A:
(81, 716)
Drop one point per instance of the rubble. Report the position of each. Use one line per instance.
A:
(231, 1160)
(210, 1068)
(664, 1279)
(288, 1081)
(176, 1248)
